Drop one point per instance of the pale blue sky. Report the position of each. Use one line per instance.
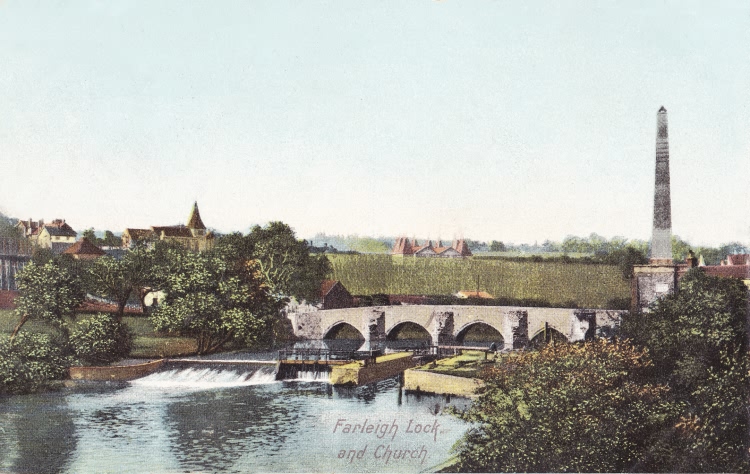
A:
(516, 121)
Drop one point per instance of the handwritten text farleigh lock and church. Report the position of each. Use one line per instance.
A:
(387, 451)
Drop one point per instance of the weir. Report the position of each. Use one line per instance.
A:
(207, 377)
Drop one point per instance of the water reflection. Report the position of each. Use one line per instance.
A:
(277, 427)
(36, 435)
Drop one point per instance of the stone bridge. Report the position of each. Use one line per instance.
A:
(448, 325)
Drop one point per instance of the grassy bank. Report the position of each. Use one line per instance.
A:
(563, 284)
(147, 343)
(468, 364)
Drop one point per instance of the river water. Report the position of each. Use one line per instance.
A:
(214, 419)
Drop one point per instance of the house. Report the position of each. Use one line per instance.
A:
(30, 229)
(735, 266)
(56, 235)
(334, 295)
(193, 235)
(404, 247)
(84, 250)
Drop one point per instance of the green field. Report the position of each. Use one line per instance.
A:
(147, 343)
(561, 284)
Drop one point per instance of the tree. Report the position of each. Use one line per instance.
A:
(697, 339)
(49, 292)
(625, 258)
(496, 246)
(284, 260)
(8, 228)
(118, 279)
(90, 235)
(680, 249)
(216, 300)
(567, 407)
(110, 239)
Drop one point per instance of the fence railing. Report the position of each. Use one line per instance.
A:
(315, 354)
(329, 354)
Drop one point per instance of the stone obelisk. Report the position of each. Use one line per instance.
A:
(661, 238)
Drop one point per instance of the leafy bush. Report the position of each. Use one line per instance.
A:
(697, 340)
(565, 408)
(100, 339)
(30, 363)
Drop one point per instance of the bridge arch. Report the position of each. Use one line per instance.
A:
(552, 335)
(342, 327)
(393, 332)
(493, 333)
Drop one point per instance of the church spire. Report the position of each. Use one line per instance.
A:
(194, 221)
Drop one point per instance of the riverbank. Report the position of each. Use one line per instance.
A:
(455, 376)
(147, 344)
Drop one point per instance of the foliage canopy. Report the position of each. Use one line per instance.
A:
(567, 407)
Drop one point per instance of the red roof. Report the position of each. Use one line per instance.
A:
(327, 286)
(724, 271)
(728, 271)
(173, 231)
(402, 247)
(91, 306)
(739, 259)
(462, 248)
(84, 247)
(474, 294)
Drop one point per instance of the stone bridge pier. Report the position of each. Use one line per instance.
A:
(373, 327)
(582, 325)
(516, 329)
(441, 328)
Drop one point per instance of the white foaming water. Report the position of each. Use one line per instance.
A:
(206, 378)
(310, 376)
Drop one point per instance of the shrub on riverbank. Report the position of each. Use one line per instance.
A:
(567, 407)
(100, 339)
(31, 362)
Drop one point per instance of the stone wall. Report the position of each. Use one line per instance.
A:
(359, 373)
(122, 372)
(652, 282)
(430, 382)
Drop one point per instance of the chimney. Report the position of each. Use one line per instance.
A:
(661, 238)
(691, 260)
